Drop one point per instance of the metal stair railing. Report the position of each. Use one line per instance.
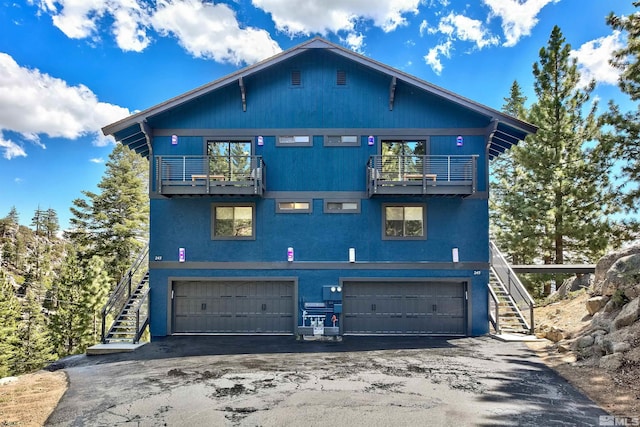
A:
(512, 285)
(121, 296)
(494, 310)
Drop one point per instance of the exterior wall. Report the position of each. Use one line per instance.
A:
(321, 241)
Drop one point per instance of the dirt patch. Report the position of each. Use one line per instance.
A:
(617, 392)
(30, 399)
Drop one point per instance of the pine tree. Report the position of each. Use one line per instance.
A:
(560, 204)
(113, 224)
(67, 321)
(9, 317)
(94, 296)
(625, 137)
(35, 347)
(510, 209)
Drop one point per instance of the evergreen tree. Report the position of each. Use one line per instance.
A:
(35, 347)
(509, 203)
(67, 322)
(94, 296)
(560, 204)
(9, 317)
(625, 137)
(113, 224)
(80, 295)
(51, 224)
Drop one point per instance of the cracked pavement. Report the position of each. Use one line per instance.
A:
(362, 381)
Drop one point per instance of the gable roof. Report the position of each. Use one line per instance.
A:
(134, 130)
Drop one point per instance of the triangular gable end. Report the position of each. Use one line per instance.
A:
(134, 132)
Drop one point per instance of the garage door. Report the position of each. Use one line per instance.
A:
(247, 307)
(404, 308)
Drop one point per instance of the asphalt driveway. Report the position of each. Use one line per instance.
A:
(362, 381)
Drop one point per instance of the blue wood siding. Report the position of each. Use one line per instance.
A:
(363, 103)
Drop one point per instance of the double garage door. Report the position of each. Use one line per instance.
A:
(404, 308)
(244, 307)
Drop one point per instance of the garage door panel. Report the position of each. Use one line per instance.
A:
(404, 308)
(233, 307)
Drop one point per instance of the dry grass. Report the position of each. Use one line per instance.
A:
(31, 399)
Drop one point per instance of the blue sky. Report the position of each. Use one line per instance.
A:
(70, 67)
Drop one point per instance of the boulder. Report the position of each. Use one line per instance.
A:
(594, 304)
(573, 284)
(620, 347)
(624, 275)
(611, 362)
(585, 341)
(605, 263)
(629, 314)
(554, 334)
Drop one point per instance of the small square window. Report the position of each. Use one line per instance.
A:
(341, 206)
(230, 222)
(294, 206)
(404, 222)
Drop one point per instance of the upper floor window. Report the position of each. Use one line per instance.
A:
(404, 221)
(233, 221)
(299, 206)
(341, 206)
(294, 141)
(341, 141)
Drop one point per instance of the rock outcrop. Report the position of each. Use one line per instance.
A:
(611, 339)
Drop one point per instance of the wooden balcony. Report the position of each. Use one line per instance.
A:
(210, 175)
(412, 175)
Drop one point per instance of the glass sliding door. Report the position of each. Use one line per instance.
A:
(229, 160)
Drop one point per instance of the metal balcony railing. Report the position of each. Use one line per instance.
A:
(422, 175)
(197, 175)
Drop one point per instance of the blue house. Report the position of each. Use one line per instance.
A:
(319, 192)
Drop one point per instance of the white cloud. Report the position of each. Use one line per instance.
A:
(518, 16)
(305, 17)
(593, 59)
(355, 42)
(11, 149)
(79, 19)
(97, 160)
(463, 28)
(455, 28)
(212, 31)
(204, 29)
(432, 58)
(18, 180)
(34, 104)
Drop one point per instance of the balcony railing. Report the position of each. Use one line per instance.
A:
(422, 175)
(215, 175)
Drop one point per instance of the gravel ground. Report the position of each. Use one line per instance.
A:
(275, 381)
